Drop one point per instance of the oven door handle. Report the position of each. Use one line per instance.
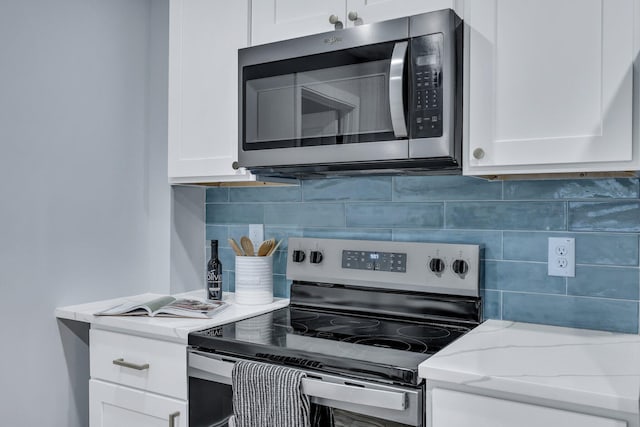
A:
(220, 371)
(396, 92)
(355, 395)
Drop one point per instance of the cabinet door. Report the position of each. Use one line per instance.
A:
(117, 406)
(486, 411)
(204, 38)
(273, 20)
(369, 11)
(549, 85)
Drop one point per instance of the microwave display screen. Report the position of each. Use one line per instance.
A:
(426, 60)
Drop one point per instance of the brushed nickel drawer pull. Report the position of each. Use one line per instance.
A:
(172, 418)
(137, 367)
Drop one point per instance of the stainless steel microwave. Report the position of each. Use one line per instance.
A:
(383, 98)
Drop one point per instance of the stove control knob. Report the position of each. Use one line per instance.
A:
(460, 267)
(316, 257)
(436, 265)
(298, 256)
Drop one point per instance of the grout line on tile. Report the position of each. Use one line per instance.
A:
(599, 298)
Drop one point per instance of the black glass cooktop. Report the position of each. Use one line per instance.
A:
(388, 350)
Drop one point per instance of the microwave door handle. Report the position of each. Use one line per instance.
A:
(396, 93)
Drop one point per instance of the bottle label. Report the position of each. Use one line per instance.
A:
(214, 285)
(213, 277)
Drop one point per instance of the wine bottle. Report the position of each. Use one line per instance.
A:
(214, 274)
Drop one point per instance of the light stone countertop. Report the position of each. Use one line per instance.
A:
(576, 366)
(167, 328)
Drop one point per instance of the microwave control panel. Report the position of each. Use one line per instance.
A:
(426, 76)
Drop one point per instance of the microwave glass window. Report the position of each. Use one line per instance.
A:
(315, 103)
(345, 100)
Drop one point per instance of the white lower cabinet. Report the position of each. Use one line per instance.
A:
(450, 408)
(112, 405)
(136, 381)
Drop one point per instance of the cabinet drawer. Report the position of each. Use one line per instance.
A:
(117, 406)
(147, 364)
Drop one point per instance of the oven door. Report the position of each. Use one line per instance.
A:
(342, 103)
(348, 401)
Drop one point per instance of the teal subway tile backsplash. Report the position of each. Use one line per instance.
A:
(415, 189)
(511, 220)
(596, 281)
(491, 304)
(234, 213)
(508, 276)
(280, 262)
(217, 232)
(491, 241)
(229, 280)
(395, 215)
(227, 258)
(282, 233)
(571, 189)
(579, 312)
(281, 286)
(289, 193)
(217, 194)
(591, 248)
(347, 189)
(506, 215)
(237, 231)
(604, 216)
(303, 214)
(349, 233)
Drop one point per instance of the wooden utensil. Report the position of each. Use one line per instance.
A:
(235, 247)
(265, 247)
(247, 245)
(273, 249)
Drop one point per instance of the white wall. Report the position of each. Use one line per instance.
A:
(83, 213)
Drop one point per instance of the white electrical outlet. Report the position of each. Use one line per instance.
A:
(562, 257)
(256, 234)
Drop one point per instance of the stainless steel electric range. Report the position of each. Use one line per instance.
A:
(363, 315)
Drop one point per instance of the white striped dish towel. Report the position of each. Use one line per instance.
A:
(266, 395)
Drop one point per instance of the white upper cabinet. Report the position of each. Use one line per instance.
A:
(204, 38)
(274, 20)
(369, 11)
(549, 86)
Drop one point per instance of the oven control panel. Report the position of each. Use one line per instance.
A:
(428, 267)
(376, 261)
